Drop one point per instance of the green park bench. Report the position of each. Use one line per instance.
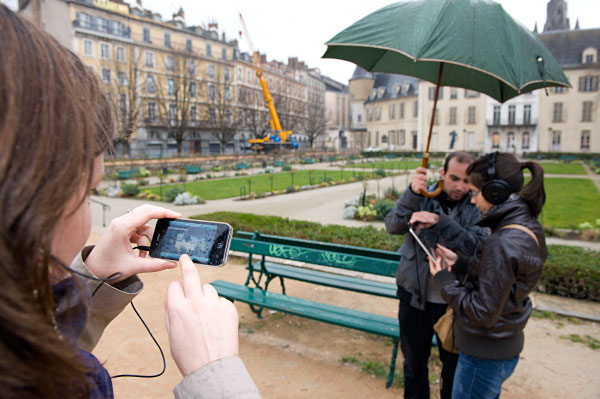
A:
(332, 159)
(279, 163)
(389, 156)
(308, 160)
(192, 170)
(241, 165)
(266, 257)
(128, 173)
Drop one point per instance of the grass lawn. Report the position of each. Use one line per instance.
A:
(395, 164)
(573, 168)
(570, 202)
(227, 188)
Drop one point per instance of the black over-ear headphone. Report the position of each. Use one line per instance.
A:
(496, 191)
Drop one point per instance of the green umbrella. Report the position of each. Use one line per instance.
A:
(472, 44)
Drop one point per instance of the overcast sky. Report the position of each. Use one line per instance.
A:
(284, 28)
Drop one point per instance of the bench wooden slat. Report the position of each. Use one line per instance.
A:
(368, 322)
(349, 283)
(364, 264)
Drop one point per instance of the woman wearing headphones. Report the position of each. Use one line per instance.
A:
(491, 304)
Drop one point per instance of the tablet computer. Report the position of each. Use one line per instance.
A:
(418, 240)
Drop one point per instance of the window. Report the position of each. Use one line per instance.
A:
(188, 45)
(453, 93)
(588, 83)
(104, 51)
(471, 93)
(511, 114)
(224, 53)
(106, 75)
(384, 139)
(497, 115)
(173, 113)
(416, 108)
(586, 115)
(557, 115)
(227, 93)
(123, 103)
(226, 74)
(171, 86)
(208, 50)
(510, 141)
(151, 111)
(434, 141)
(191, 67)
(147, 35)
(527, 114)
(436, 119)
(589, 59)
(432, 93)
(392, 111)
(471, 115)
(555, 140)
(559, 90)
(452, 116)
(194, 112)
(150, 84)
(401, 138)
(169, 63)
(193, 89)
(359, 118)
(496, 140)
(585, 140)
(167, 39)
(248, 76)
(401, 111)
(211, 71)
(149, 59)
(211, 92)
(525, 141)
(121, 78)
(87, 48)
(378, 113)
(120, 54)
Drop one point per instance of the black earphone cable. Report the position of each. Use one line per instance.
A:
(114, 277)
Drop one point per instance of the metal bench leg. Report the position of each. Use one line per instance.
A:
(392, 365)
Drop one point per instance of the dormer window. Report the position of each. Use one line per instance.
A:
(396, 90)
(589, 55)
(373, 94)
(380, 92)
(405, 88)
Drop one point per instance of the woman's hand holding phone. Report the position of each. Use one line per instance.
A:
(114, 253)
(444, 259)
(201, 326)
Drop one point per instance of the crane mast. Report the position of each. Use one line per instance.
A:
(277, 136)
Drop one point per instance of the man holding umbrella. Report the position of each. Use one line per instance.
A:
(448, 219)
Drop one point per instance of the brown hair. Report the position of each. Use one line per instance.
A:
(54, 119)
(510, 169)
(461, 157)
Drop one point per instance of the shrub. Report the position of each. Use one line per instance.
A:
(383, 207)
(392, 194)
(130, 190)
(286, 168)
(172, 193)
(380, 173)
(290, 189)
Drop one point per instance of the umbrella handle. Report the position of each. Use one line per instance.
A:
(440, 187)
(435, 193)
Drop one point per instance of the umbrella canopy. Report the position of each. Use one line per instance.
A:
(480, 46)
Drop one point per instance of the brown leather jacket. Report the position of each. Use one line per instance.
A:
(493, 306)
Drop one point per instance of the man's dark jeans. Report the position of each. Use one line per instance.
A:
(416, 332)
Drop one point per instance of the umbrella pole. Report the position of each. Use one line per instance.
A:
(425, 162)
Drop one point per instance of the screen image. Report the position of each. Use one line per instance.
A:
(193, 239)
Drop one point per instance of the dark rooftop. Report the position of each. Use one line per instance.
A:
(568, 45)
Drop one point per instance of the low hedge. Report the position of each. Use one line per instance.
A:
(571, 272)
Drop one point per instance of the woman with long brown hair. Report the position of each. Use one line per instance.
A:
(491, 304)
(55, 125)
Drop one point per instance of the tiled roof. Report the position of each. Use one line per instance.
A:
(568, 45)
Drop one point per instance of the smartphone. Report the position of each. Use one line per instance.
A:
(421, 243)
(206, 243)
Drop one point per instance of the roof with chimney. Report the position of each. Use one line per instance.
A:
(388, 86)
(567, 45)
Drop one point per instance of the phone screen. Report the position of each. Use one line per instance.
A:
(418, 240)
(206, 243)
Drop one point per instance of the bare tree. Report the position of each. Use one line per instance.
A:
(123, 88)
(255, 115)
(176, 95)
(314, 124)
(221, 116)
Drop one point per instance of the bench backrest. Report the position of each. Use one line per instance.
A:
(365, 260)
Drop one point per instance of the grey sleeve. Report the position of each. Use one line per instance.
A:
(396, 222)
(108, 302)
(222, 379)
(460, 237)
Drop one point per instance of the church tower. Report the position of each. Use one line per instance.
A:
(556, 16)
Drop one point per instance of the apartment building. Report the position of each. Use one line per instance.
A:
(337, 118)
(177, 88)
